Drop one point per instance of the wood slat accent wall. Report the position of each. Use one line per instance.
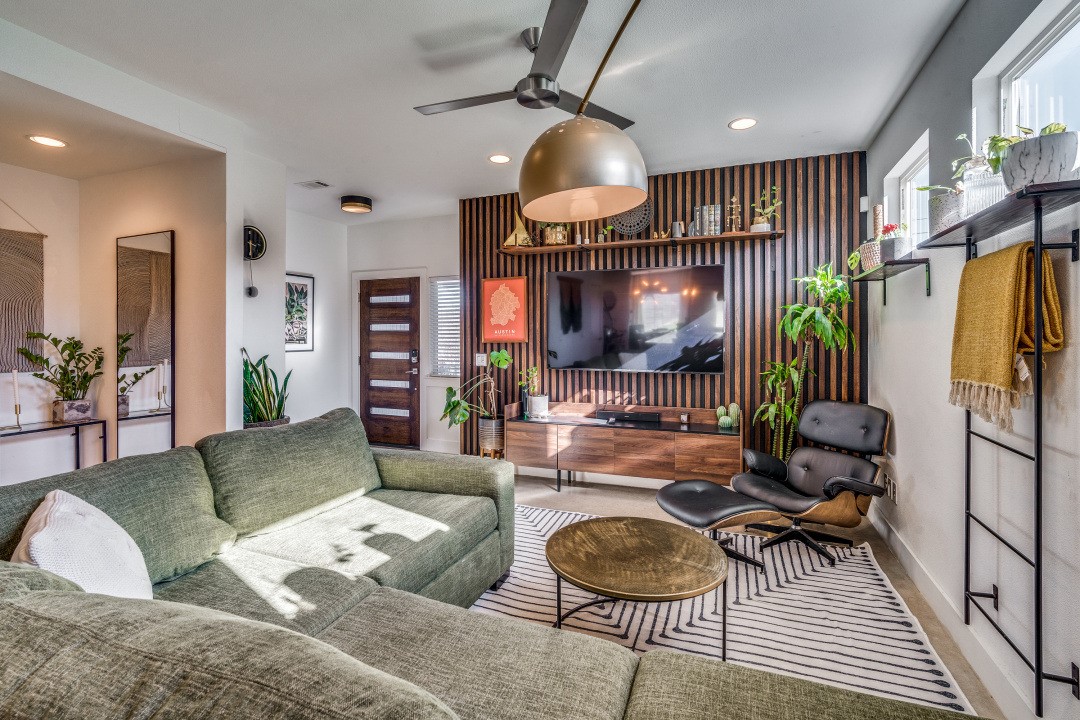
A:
(822, 222)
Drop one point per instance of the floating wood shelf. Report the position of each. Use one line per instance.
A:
(888, 269)
(647, 242)
(1011, 212)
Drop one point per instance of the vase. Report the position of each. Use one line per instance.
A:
(1044, 159)
(946, 210)
(284, 420)
(982, 186)
(66, 411)
(123, 405)
(491, 433)
(538, 406)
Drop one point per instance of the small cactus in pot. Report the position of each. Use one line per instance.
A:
(734, 413)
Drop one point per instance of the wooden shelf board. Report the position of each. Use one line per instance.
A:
(691, 240)
(1007, 214)
(540, 249)
(889, 268)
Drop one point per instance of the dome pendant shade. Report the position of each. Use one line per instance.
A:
(581, 169)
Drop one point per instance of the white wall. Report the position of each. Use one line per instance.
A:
(51, 203)
(320, 378)
(261, 184)
(910, 345)
(428, 247)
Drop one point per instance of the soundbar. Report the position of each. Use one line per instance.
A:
(619, 415)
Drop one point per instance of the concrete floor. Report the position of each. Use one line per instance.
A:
(605, 499)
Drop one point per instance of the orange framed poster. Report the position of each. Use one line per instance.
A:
(504, 310)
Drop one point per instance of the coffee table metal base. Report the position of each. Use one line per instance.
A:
(560, 616)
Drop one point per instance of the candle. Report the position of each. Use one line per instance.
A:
(15, 384)
(160, 379)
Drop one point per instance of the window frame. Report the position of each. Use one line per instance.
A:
(909, 196)
(437, 335)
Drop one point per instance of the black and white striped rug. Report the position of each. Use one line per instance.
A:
(844, 625)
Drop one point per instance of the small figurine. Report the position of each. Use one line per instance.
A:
(734, 218)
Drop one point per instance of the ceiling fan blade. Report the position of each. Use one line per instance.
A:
(466, 102)
(560, 25)
(571, 102)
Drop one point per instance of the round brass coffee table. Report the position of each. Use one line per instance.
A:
(637, 560)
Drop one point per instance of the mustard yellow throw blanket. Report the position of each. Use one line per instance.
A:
(995, 324)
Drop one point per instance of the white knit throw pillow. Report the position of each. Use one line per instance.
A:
(71, 538)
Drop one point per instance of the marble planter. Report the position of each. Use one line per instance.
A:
(65, 411)
(123, 405)
(946, 210)
(1043, 159)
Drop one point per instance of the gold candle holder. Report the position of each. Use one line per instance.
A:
(18, 423)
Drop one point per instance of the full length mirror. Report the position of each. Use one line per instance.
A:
(144, 343)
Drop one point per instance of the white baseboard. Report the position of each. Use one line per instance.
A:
(1012, 703)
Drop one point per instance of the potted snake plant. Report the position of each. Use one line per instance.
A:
(71, 374)
(264, 397)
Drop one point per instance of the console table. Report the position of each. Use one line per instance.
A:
(572, 438)
(75, 427)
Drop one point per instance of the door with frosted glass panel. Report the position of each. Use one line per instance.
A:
(389, 335)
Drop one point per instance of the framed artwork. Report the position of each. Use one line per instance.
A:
(504, 306)
(299, 312)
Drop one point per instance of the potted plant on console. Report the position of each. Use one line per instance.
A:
(264, 397)
(123, 384)
(536, 405)
(71, 375)
(765, 210)
(1051, 156)
(479, 395)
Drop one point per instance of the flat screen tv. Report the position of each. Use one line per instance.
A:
(643, 320)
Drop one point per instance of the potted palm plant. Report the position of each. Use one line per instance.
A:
(264, 397)
(123, 383)
(818, 321)
(71, 374)
(781, 383)
(479, 395)
(536, 405)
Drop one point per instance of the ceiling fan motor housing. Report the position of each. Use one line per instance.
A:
(537, 92)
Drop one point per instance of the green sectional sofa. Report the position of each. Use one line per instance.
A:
(300, 574)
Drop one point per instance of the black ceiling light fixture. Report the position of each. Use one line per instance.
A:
(355, 204)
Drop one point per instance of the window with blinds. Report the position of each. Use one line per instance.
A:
(446, 326)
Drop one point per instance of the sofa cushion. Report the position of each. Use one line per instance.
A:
(78, 655)
(678, 686)
(485, 666)
(164, 501)
(17, 580)
(263, 476)
(399, 538)
(268, 589)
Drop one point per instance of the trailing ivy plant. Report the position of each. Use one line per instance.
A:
(122, 350)
(460, 403)
(72, 374)
(817, 321)
(264, 397)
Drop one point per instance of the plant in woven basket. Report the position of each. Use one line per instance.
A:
(870, 254)
(264, 397)
(821, 321)
(75, 369)
(123, 384)
(476, 395)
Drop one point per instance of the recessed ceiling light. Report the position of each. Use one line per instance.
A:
(742, 123)
(499, 159)
(355, 204)
(47, 141)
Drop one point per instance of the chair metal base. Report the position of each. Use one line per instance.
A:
(797, 533)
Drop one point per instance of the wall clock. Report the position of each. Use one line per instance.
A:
(254, 243)
(634, 220)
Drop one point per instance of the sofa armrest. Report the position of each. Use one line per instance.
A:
(435, 472)
(838, 484)
(765, 464)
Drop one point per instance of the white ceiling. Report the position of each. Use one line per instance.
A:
(99, 142)
(329, 86)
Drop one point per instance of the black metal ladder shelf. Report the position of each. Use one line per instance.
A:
(888, 269)
(1029, 205)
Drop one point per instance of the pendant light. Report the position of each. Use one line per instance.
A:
(583, 168)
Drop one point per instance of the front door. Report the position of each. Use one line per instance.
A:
(389, 335)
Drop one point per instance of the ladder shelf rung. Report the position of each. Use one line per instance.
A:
(1002, 445)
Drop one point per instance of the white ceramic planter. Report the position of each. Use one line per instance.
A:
(1043, 159)
(538, 406)
(946, 210)
(761, 227)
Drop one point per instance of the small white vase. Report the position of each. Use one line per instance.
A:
(1042, 159)
(761, 227)
(538, 406)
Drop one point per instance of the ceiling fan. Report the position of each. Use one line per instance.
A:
(539, 89)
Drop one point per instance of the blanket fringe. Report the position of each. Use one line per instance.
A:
(991, 403)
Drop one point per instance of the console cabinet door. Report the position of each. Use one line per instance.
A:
(532, 445)
(707, 457)
(586, 448)
(645, 453)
